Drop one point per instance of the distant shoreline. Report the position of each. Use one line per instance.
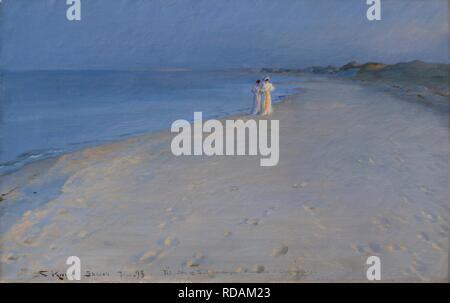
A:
(433, 76)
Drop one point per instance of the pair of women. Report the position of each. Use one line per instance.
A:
(262, 89)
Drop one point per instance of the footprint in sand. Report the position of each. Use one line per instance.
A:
(252, 222)
(174, 219)
(197, 259)
(7, 258)
(399, 159)
(423, 236)
(30, 240)
(177, 218)
(436, 246)
(280, 251)
(321, 226)
(418, 268)
(234, 188)
(83, 234)
(63, 211)
(411, 270)
(442, 230)
(441, 219)
(257, 268)
(300, 185)
(359, 248)
(309, 209)
(425, 190)
(269, 211)
(394, 247)
(429, 216)
(399, 219)
(170, 241)
(376, 248)
(150, 256)
(406, 200)
(296, 272)
(382, 223)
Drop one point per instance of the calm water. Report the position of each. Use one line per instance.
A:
(45, 114)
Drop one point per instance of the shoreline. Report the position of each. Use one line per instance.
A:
(135, 136)
(400, 90)
(16, 158)
(132, 205)
(43, 166)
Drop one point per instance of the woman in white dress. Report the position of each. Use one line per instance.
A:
(268, 88)
(257, 92)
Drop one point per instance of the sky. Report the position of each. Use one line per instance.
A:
(219, 34)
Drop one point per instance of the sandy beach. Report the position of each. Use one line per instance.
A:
(363, 171)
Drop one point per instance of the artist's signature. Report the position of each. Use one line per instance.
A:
(165, 271)
(88, 274)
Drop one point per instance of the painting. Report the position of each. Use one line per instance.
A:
(224, 141)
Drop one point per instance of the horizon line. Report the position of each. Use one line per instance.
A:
(183, 69)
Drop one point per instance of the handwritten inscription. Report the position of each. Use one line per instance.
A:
(88, 274)
(164, 271)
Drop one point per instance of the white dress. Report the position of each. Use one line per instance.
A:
(268, 89)
(257, 91)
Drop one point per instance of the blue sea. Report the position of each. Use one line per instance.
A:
(45, 114)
